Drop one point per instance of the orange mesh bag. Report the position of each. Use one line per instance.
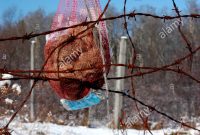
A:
(80, 62)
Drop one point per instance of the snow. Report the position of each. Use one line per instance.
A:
(7, 76)
(53, 129)
(37, 128)
(4, 82)
(8, 101)
(16, 87)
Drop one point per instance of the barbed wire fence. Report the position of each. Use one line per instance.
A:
(39, 75)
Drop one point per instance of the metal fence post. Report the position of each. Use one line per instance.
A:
(120, 71)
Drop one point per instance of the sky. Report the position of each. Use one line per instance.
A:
(25, 6)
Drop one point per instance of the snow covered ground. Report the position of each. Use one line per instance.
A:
(53, 129)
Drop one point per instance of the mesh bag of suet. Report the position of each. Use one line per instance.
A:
(78, 56)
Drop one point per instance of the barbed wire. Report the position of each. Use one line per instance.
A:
(133, 14)
(152, 108)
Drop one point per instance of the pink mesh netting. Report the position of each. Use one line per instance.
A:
(83, 53)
